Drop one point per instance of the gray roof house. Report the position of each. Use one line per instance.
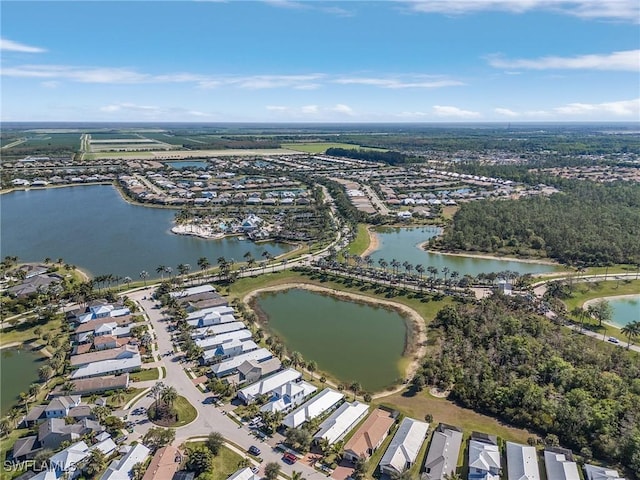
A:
(560, 465)
(594, 472)
(108, 367)
(522, 462)
(442, 458)
(404, 447)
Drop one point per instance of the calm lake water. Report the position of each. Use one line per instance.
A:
(348, 340)
(625, 310)
(93, 228)
(402, 244)
(18, 370)
(188, 164)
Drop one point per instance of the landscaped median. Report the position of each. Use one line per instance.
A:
(172, 412)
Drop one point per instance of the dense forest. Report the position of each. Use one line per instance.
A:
(391, 158)
(590, 224)
(500, 358)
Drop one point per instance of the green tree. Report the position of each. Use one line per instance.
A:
(199, 459)
(215, 441)
(631, 331)
(272, 470)
(158, 437)
(95, 463)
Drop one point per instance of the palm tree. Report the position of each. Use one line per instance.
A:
(169, 395)
(144, 275)
(161, 269)
(355, 387)
(119, 397)
(203, 264)
(68, 387)
(296, 475)
(631, 331)
(95, 463)
(24, 398)
(127, 281)
(14, 415)
(296, 359)
(312, 366)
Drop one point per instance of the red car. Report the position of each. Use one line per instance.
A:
(290, 458)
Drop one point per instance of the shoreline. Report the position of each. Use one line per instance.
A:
(374, 242)
(416, 336)
(484, 256)
(587, 303)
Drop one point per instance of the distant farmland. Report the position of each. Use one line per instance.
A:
(322, 147)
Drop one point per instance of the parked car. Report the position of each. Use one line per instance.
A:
(255, 470)
(253, 450)
(290, 458)
(614, 340)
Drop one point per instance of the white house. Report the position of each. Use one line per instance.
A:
(442, 457)
(227, 367)
(205, 332)
(108, 367)
(288, 396)
(316, 406)
(484, 460)
(522, 462)
(66, 460)
(120, 469)
(559, 465)
(404, 447)
(243, 474)
(228, 350)
(211, 343)
(192, 291)
(268, 385)
(341, 421)
(593, 472)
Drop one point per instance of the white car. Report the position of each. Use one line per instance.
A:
(614, 340)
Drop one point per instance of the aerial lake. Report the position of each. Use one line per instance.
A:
(94, 228)
(350, 341)
(625, 310)
(403, 245)
(18, 370)
(188, 164)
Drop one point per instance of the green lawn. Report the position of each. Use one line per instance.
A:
(186, 413)
(322, 147)
(144, 375)
(224, 464)
(129, 393)
(361, 242)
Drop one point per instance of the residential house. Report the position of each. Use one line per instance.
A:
(594, 472)
(60, 407)
(341, 421)
(164, 464)
(484, 457)
(404, 447)
(251, 371)
(369, 436)
(268, 384)
(126, 351)
(228, 350)
(211, 343)
(288, 396)
(559, 464)
(187, 292)
(87, 386)
(442, 457)
(212, 330)
(522, 462)
(243, 474)
(316, 406)
(109, 367)
(121, 469)
(227, 367)
(65, 461)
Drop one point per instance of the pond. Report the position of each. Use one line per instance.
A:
(350, 341)
(18, 370)
(94, 228)
(188, 164)
(625, 310)
(403, 245)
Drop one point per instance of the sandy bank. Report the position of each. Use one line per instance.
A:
(593, 301)
(416, 335)
(197, 231)
(374, 243)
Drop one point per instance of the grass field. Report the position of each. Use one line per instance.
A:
(322, 147)
(144, 375)
(186, 413)
(361, 242)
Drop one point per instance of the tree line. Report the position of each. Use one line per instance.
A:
(501, 358)
(389, 157)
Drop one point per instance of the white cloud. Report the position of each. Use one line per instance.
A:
(627, 60)
(343, 109)
(84, 75)
(454, 112)
(11, 46)
(50, 84)
(131, 107)
(506, 112)
(626, 10)
(622, 108)
(310, 109)
(294, 5)
(274, 81)
(395, 83)
(408, 115)
(277, 108)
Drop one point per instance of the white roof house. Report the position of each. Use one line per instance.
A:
(288, 396)
(341, 421)
(108, 367)
(119, 469)
(323, 402)
(217, 329)
(219, 310)
(484, 461)
(210, 343)
(229, 349)
(522, 462)
(593, 472)
(268, 384)
(404, 447)
(66, 459)
(442, 458)
(192, 291)
(559, 467)
(243, 474)
(227, 367)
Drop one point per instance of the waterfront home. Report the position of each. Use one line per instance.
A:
(203, 312)
(369, 436)
(594, 472)
(121, 469)
(212, 330)
(559, 464)
(34, 285)
(243, 474)
(105, 342)
(227, 367)
(316, 406)
(203, 301)
(228, 350)
(87, 386)
(251, 371)
(209, 319)
(484, 457)
(211, 343)
(108, 367)
(192, 291)
(126, 351)
(115, 327)
(65, 461)
(105, 444)
(268, 384)
(288, 396)
(442, 457)
(164, 464)
(522, 462)
(341, 421)
(404, 447)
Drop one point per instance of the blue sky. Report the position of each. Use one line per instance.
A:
(308, 61)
